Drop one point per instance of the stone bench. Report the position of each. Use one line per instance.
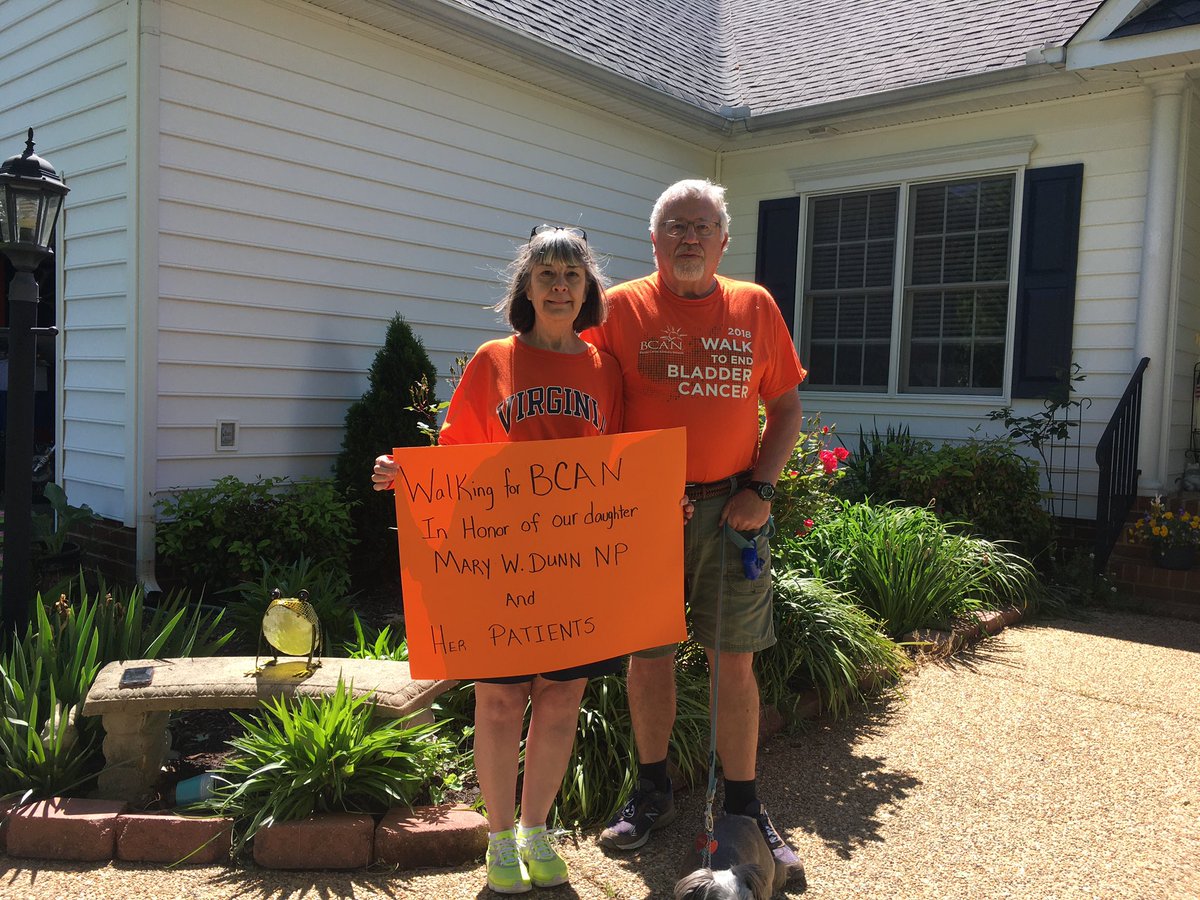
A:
(135, 718)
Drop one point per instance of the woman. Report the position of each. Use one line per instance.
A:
(555, 290)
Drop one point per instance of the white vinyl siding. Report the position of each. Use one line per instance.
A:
(1108, 134)
(63, 66)
(318, 177)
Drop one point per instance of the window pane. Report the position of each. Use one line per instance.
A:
(962, 204)
(820, 364)
(854, 218)
(882, 220)
(929, 210)
(850, 266)
(960, 259)
(824, 268)
(880, 260)
(992, 256)
(824, 319)
(927, 261)
(849, 364)
(995, 202)
(922, 365)
(825, 215)
(926, 315)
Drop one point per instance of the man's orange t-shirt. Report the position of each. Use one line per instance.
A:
(511, 391)
(703, 364)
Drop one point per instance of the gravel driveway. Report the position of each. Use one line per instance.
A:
(1057, 760)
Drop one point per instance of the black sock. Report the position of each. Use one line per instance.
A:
(739, 795)
(656, 773)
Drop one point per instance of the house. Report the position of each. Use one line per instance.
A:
(950, 199)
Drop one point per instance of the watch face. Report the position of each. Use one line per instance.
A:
(764, 490)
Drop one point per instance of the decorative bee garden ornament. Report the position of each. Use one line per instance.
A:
(291, 627)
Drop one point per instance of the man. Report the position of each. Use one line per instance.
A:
(700, 350)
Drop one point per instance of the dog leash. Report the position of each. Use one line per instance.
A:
(752, 566)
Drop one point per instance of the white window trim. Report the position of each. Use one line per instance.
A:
(893, 168)
(1009, 156)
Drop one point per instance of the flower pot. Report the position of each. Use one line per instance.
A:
(1174, 557)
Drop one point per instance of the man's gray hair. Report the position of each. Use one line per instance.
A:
(690, 189)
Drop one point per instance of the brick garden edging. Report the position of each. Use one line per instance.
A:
(446, 836)
(99, 830)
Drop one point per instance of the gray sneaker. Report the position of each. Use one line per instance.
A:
(646, 811)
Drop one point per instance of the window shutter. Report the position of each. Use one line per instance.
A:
(1046, 278)
(775, 265)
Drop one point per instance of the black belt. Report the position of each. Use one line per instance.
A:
(726, 486)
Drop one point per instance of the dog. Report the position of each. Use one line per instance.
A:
(742, 866)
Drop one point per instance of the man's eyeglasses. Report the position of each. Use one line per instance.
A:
(677, 228)
(569, 229)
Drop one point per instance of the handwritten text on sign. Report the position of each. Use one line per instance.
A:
(534, 556)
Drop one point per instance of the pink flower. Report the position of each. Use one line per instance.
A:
(841, 452)
(829, 460)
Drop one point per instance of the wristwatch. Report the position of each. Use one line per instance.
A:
(764, 489)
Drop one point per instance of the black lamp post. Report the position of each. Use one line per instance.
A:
(31, 195)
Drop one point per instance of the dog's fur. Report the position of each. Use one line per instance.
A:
(743, 867)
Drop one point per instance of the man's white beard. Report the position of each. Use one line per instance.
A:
(688, 268)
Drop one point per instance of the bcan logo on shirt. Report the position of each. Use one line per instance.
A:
(551, 400)
(670, 342)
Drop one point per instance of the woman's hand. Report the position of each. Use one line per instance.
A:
(688, 508)
(384, 474)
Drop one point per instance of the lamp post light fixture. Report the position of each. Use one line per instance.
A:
(31, 195)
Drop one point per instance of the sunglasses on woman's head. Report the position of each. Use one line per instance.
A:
(569, 229)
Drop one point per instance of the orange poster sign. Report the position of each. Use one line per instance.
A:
(534, 556)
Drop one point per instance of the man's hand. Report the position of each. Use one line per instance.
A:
(745, 511)
(384, 474)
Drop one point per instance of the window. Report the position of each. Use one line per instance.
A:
(953, 294)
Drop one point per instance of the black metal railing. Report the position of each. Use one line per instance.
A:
(1117, 458)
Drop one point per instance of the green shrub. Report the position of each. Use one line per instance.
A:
(329, 755)
(328, 586)
(218, 535)
(908, 569)
(823, 641)
(384, 417)
(982, 485)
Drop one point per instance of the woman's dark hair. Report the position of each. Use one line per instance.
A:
(549, 248)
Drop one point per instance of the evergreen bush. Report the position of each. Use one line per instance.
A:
(386, 416)
(218, 536)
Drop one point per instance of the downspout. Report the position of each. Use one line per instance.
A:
(143, 264)
(1156, 284)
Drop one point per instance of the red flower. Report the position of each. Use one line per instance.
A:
(825, 430)
(808, 523)
(792, 473)
(829, 460)
(841, 452)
